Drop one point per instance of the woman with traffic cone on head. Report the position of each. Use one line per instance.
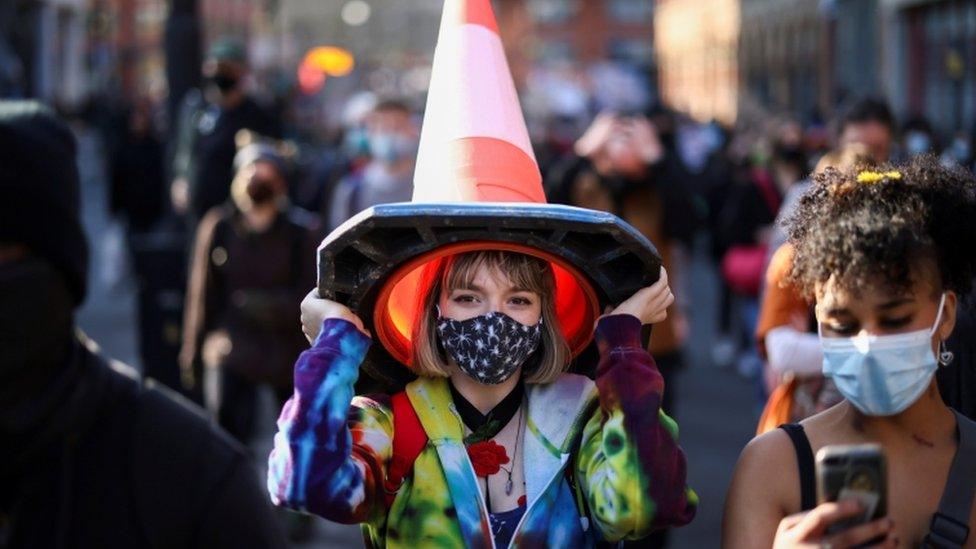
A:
(483, 293)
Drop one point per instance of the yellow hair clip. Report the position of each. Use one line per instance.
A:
(874, 177)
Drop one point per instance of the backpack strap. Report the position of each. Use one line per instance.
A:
(409, 439)
(805, 464)
(950, 525)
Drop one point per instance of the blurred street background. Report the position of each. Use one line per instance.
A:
(715, 98)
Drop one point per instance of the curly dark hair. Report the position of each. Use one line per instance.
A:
(861, 226)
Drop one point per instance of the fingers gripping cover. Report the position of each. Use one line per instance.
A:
(372, 264)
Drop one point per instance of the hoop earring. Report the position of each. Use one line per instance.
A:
(945, 355)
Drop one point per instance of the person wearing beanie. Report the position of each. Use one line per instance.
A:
(254, 258)
(92, 455)
(203, 160)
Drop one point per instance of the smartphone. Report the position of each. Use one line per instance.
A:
(854, 471)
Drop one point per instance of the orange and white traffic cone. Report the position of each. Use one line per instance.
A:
(477, 186)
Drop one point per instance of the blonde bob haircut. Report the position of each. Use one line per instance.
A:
(458, 271)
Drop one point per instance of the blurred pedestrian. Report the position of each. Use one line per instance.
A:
(917, 137)
(208, 122)
(869, 121)
(959, 152)
(254, 260)
(93, 456)
(137, 188)
(786, 334)
(337, 156)
(742, 235)
(392, 137)
(617, 167)
(156, 248)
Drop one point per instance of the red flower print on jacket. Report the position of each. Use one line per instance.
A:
(487, 457)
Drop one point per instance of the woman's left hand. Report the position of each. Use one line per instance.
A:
(650, 304)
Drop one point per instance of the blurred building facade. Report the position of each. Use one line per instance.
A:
(45, 44)
(696, 43)
(724, 59)
(539, 32)
(930, 60)
(66, 51)
(714, 59)
(781, 52)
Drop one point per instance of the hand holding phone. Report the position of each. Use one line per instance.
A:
(853, 473)
(809, 529)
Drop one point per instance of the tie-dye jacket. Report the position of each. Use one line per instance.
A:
(330, 458)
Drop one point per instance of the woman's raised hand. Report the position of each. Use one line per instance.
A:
(810, 529)
(649, 304)
(316, 310)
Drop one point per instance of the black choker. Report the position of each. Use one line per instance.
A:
(486, 426)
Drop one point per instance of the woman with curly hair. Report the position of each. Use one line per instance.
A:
(886, 256)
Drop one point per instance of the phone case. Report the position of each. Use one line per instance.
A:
(853, 472)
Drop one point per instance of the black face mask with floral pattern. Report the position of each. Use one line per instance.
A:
(489, 348)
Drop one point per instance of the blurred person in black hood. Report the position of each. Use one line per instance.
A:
(90, 454)
(208, 123)
(137, 189)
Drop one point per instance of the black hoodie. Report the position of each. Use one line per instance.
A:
(119, 462)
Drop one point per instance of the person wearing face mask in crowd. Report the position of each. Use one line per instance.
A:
(959, 151)
(254, 257)
(209, 120)
(93, 455)
(917, 138)
(886, 254)
(491, 364)
(487, 440)
(392, 140)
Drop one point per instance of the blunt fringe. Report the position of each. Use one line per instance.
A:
(545, 365)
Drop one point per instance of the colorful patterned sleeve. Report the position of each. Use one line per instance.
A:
(630, 468)
(331, 449)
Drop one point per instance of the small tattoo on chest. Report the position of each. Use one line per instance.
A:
(922, 442)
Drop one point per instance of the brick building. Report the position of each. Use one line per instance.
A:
(696, 42)
(578, 31)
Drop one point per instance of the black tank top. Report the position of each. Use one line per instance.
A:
(949, 528)
(804, 459)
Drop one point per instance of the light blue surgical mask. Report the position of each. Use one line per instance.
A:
(882, 375)
(389, 148)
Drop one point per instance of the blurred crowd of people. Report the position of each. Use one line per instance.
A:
(223, 216)
(252, 205)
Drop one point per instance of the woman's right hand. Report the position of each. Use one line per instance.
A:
(316, 310)
(810, 529)
(650, 304)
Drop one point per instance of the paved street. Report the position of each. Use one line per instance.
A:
(714, 407)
